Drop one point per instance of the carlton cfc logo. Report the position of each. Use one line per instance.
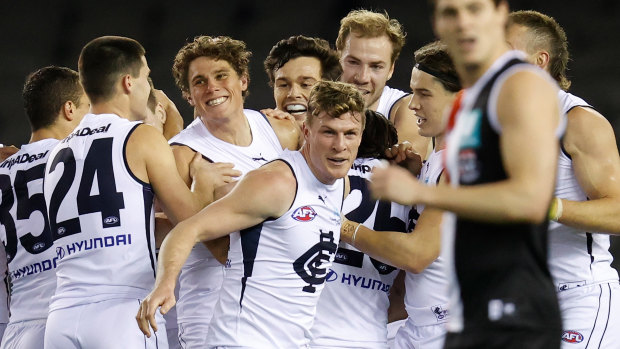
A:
(304, 214)
(572, 337)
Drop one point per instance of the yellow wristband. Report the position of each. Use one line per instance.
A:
(555, 211)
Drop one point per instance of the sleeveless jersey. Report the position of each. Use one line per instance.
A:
(389, 97)
(426, 299)
(501, 269)
(278, 268)
(100, 214)
(25, 232)
(358, 286)
(576, 257)
(265, 147)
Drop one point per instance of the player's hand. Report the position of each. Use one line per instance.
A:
(395, 184)
(404, 155)
(277, 114)
(174, 121)
(6, 151)
(214, 173)
(161, 296)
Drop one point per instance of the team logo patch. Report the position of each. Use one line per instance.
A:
(311, 266)
(572, 337)
(304, 214)
(440, 313)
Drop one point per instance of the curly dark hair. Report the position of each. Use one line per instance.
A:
(219, 48)
(379, 135)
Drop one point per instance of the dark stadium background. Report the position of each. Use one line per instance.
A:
(34, 34)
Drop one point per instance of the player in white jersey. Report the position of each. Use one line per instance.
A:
(434, 84)
(212, 73)
(55, 103)
(587, 197)
(287, 218)
(369, 44)
(358, 286)
(99, 186)
(293, 66)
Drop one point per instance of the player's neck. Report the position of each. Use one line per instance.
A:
(471, 73)
(235, 130)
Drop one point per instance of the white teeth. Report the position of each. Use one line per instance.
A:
(216, 101)
(296, 108)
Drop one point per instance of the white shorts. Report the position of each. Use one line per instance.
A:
(193, 335)
(410, 336)
(24, 334)
(591, 316)
(392, 329)
(102, 325)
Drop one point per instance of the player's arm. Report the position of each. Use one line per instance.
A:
(264, 193)
(288, 132)
(591, 143)
(412, 252)
(6, 151)
(396, 310)
(404, 121)
(528, 115)
(224, 175)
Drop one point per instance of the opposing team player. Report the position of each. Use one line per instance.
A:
(587, 196)
(287, 218)
(212, 73)
(55, 103)
(501, 158)
(99, 187)
(293, 66)
(369, 44)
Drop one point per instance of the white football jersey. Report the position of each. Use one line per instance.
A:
(357, 285)
(278, 268)
(25, 232)
(426, 298)
(389, 97)
(100, 214)
(576, 257)
(196, 297)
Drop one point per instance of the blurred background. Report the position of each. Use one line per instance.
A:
(37, 33)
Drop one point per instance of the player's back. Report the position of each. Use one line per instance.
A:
(25, 231)
(101, 215)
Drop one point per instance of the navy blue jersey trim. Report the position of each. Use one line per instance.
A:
(249, 246)
(148, 196)
(265, 117)
(194, 150)
(296, 185)
(596, 317)
(562, 149)
(389, 116)
(125, 157)
(589, 241)
(608, 316)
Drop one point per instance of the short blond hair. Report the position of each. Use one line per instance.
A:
(335, 99)
(371, 24)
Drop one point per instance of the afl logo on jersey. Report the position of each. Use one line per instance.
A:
(304, 214)
(110, 220)
(572, 337)
(39, 246)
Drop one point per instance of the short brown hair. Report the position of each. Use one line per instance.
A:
(335, 99)
(46, 91)
(435, 57)
(104, 60)
(545, 33)
(218, 48)
(371, 24)
(302, 46)
(433, 3)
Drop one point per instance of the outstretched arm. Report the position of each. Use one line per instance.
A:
(591, 143)
(261, 194)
